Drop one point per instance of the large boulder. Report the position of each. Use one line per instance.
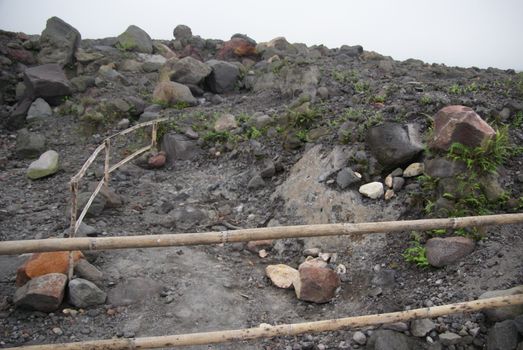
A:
(29, 144)
(39, 110)
(223, 77)
(135, 39)
(59, 42)
(44, 166)
(189, 70)
(44, 293)
(459, 124)
(179, 147)
(394, 144)
(182, 33)
(237, 47)
(445, 251)
(47, 81)
(171, 93)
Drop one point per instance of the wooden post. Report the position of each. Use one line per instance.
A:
(269, 331)
(73, 185)
(107, 163)
(154, 135)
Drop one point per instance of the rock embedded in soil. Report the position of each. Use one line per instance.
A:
(171, 93)
(506, 312)
(44, 166)
(29, 144)
(316, 284)
(459, 124)
(47, 81)
(179, 147)
(449, 338)
(59, 42)
(83, 293)
(39, 110)
(223, 77)
(189, 70)
(96, 208)
(88, 271)
(282, 276)
(383, 339)
(226, 122)
(421, 327)
(346, 177)
(256, 182)
(446, 251)
(373, 190)
(359, 337)
(44, 293)
(40, 264)
(503, 336)
(413, 169)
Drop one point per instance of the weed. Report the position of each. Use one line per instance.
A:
(217, 136)
(378, 98)
(302, 135)
(518, 120)
(254, 133)
(181, 105)
(361, 87)
(455, 89)
(425, 100)
(416, 253)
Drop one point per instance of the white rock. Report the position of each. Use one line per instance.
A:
(389, 194)
(388, 181)
(282, 275)
(414, 169)
(359, 337)
(46, 165)
(372, 190)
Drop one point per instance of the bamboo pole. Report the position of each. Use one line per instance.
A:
(139, 126)
(87, 163)
(269, 331)
(107, 163)
(88, 205)
(253, 234)
(154, 134)
(129, 157)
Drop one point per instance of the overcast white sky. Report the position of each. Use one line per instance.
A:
(465, 33)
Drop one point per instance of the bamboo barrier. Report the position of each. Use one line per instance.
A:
(129, 158)
(269, 331)
(252, 234)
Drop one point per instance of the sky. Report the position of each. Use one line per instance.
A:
(481, 33)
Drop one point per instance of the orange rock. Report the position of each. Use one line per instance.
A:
(40, 264)
(236, 47)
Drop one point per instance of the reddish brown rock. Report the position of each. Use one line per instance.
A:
(462, 125)
(157, 160)
(40, 264)
(316, 284)
(21, 55)
(255, 246)
(44, 293)
(445, 251)
(236, 47)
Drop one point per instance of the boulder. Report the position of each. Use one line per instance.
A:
(281, 275)
(16, 118)
(503, 336)
(44, 293)
(47, 81)
(135, 39)
(237, 48)
(316, 284)
(226, 122)
(506, 312)
(189, 70)
(39, 110)
(171, 93)
(59, 42)
(29, 144)
(445, 251)
(46, 165)
(394, 144)
(179, 147)
(223, 77)
(83, 293)
(40, 264)
(182, 33)
(373, 190)
(21, 55)
(459, 124)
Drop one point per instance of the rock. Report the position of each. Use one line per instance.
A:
(157, 161)
(16, 118)
(506, 312)
(236, 48)
(190, 71)
(421, 327)
(21, 55)
(445, 251)
(373, 190)
(179, 147)
(414, 169)
(85, 231)
(186, 217)
(29, 144)
(123, 123)
(443, 167)
(96, 208)
(226, 122)
(359, 337)
(135, 39)
(277, 46)
(256, 182)
(112, 199)
(397, 183)
(393, 144)
(39, 110)
(346, 177)
(503, 336)
(256, 246)
(44, 293)
(47, 81)
(82, 83)
(449, 338)
(182, 33)
(396, 326)
(261, 121)
(459, 124)
(40, 264)
(86, 270)
(59, 42)
(389, 194)
(382, 339)
(316, 284)
(171, 93)
(269, 170)
(46, 165)
(83, 293)
(223, 77)
(282, 276)
(351, 51)
(86, 57)
(491, 187)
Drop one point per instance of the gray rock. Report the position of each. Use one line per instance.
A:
(148, 116)
(359, 337)
(135, 39)
(443, 167)
(58, 42)
(82, 83)
(44, 293)
(351, 51)
(84, 269)
(393, 144)
(384, 278)
(44, 166)
(179, 147)
(421, 327)
(346, 177)
(503, 336)
(491, 187)
(396, 326)
(445, 251)
(47, 81)
(96, 208)
(256, 182)
(223, 77)
(226, 122)
(449, 338)
(261, 121)
(397, 183)
(83, 293)
(29, 144)
(182, 33)
(506, 312)
(189, 70)
(16, 118)
(389, 340)
(86, 231)
(187, 217)
(39, 110)
(171, 93)
(269, 170)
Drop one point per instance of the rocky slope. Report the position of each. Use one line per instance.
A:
(261, 134)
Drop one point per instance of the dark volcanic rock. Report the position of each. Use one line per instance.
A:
(445, 251)
(47, 81)
(83, 293)
(390, 340)
(223, 77)
(503, 336)
(179, 147)
(135, 39)
(190, 71)
(58, 42)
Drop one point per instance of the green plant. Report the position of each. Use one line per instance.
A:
(217, 136)
(518, 119)
(254, 133)
(455, 89)
(378, 99)
(425, 100)
(416, 253)
(181, 105)
(302, 135)
(361, 87)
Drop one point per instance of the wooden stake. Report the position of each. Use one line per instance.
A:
(268, 331)
(107, 162)
(253, 234)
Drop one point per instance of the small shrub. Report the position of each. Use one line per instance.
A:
(416, 253)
